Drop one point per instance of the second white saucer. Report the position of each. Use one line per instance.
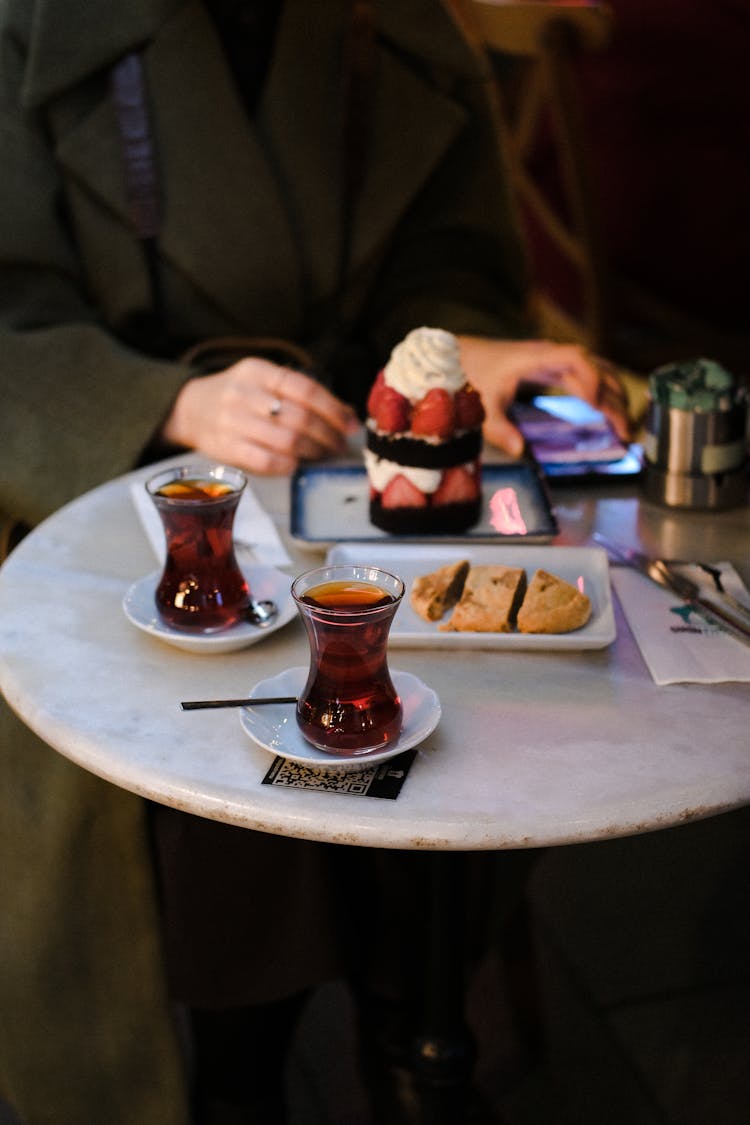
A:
(266, 582)
(274, 726)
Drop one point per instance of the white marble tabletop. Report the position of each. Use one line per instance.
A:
(533, 749)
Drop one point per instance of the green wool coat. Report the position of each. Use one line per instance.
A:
(249, 243)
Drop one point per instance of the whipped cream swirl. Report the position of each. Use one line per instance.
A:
(426, 358)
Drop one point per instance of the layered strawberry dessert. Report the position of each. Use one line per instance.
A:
(424, 439)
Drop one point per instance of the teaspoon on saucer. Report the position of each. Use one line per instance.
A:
(261, 613)
(203, 704)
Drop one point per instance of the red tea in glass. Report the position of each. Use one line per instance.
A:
(349, 704)
(202, 588)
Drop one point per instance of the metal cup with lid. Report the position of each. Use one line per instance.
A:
(696, 443)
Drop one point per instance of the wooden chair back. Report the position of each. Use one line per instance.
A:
(532, 48)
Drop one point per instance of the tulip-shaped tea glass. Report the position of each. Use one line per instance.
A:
(202, 588)
(349, 704)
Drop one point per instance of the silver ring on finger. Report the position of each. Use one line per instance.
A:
(274, 407)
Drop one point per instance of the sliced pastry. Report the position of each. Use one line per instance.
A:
(434, 594)
(552, 605)
(489, 602)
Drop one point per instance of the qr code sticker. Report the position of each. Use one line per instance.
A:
(383, 780)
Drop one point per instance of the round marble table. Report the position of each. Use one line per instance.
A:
(533, 749)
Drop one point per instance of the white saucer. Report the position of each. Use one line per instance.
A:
(274, 726)
(265, 582)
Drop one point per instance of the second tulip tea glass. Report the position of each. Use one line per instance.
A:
(349, 705)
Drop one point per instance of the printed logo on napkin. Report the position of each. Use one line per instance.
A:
(691, 621)
(383, 780)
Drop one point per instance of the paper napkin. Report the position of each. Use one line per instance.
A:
(253, 527)
(678, 644)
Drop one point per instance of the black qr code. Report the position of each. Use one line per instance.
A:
(296, 776)
(383, 780)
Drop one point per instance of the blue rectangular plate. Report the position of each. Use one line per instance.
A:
(331, 503)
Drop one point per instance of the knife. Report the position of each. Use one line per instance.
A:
(735, 618)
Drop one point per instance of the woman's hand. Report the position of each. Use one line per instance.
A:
(497, 368)
(259, 416)
(267, 418)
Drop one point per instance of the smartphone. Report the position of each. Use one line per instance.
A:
(568, 437)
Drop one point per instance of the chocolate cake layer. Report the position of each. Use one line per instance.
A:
(418, 454)
(443, 519)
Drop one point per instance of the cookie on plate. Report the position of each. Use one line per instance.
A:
(489, 602)
(434, 594)
(552, 605)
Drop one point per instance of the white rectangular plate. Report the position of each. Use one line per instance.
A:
(409, 630)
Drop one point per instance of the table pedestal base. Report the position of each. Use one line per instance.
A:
(444, 1050)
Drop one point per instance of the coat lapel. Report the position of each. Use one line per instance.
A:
(413, 124)
(223, 222)
(70, 40)
(265, 201)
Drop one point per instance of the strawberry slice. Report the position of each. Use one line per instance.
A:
(469, 408)
(401, 493)
(458, 486)
(377, 386)
(392, 411)
(434, 415)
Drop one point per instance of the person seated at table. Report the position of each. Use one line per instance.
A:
(177, 171)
